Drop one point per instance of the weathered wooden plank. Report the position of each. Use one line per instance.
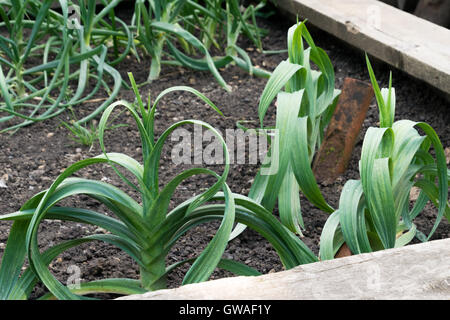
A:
(414, 45)
(420, 271)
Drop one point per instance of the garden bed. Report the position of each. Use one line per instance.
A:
(34, 156)
(415, 272)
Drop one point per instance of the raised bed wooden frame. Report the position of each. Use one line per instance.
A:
(414, 45)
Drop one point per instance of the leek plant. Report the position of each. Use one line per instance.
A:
(194, 27)
(69, 55)
(375, 212)
(303, 111)
(146, 229)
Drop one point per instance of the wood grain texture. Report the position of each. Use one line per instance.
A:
(414, 45)
(420, 271)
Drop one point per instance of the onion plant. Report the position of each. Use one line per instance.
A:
(303, 111)
(375, 212)
(47, 60)
(50, 57)
(190, 28)
(145, 229)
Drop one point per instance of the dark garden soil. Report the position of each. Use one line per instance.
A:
(34, 156)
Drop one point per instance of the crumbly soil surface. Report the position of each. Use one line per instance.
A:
(34, 156)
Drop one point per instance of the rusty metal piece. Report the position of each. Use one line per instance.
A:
(344, 251)
(340, 138)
